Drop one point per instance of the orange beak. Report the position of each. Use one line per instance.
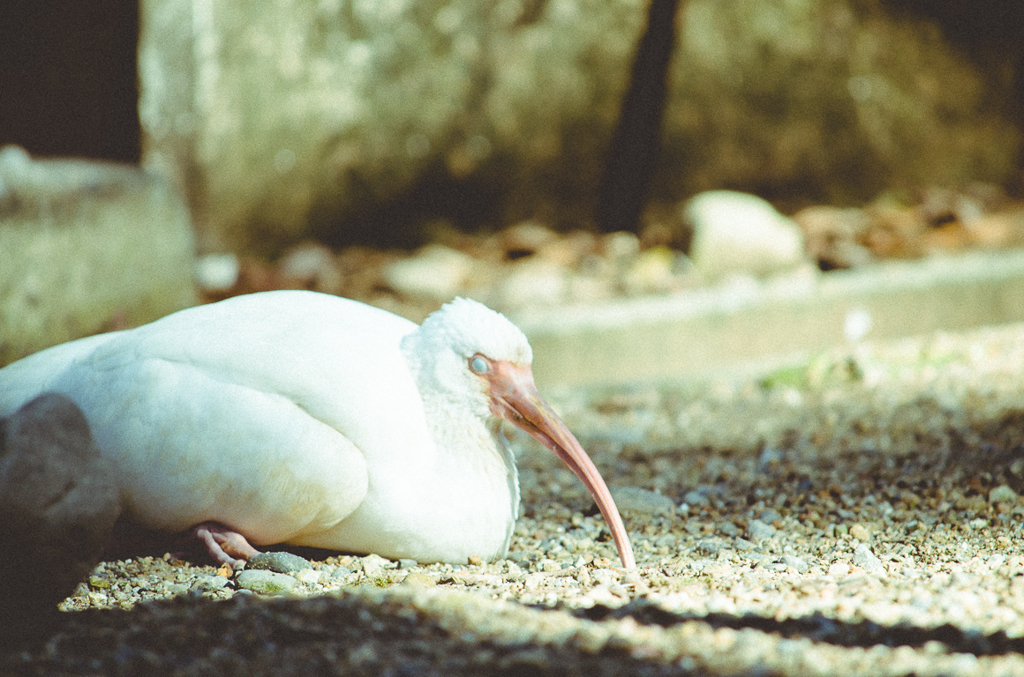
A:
(514, 397)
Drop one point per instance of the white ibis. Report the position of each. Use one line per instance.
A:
(308, 419)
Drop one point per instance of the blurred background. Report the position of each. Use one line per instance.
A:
(539, 155)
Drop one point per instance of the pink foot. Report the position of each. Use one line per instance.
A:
(221, 542)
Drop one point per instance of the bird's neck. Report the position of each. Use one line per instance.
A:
(475, 446)
(477, 469)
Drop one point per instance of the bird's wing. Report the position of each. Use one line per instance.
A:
(338, 360)
(259, 412)
(25, 379)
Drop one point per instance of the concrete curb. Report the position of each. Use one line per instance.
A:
(742, 328)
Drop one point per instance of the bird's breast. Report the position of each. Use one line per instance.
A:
(446, 506)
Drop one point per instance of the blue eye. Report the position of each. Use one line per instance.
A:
(479, 365)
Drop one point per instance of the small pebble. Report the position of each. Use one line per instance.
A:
(177, 589)
(838, 569)
(99, 582)
(1002, 494)
(759, 531)
(204, 583)
(418, 579)
(341, 573)
(711, 546)
(867, 560)
(695, 498)
(860, 532)
(279, 562)
(374, 565)
(795, 563)
(639, 501)
(265, 582)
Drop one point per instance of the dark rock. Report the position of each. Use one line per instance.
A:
(58, 505)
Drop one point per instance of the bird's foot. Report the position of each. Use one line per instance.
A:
(224, 545)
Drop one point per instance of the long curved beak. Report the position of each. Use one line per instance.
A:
(514, 397)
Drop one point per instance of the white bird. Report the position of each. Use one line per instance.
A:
(308, 419)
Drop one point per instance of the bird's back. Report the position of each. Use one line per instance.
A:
(234, 409)
(37, 373)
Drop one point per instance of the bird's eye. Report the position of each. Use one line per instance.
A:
(479, 364)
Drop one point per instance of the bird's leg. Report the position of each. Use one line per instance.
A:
(221, 542)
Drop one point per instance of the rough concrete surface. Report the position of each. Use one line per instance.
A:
(86, 246)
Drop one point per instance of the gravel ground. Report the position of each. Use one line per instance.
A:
(855, 516)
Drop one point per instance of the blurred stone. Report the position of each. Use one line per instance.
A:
(58, 506)
(712, 545)
(832, 235)
(1001, 494)
(694, 497)
(638, 501)
(208, 583)
(525, 238)
(740, 233)
(621, 245)
(758, 531)
(651, 272)
(867, 560)
(532, 282)
(940, 205)
(570, 249)
(795, 563)
(217, 272)
(311, 265)
(895, 230)
(418, 579)
(838, 569)
(86, 246)
(304, 117)
(997, 230)
(860, 532)
(436, 272)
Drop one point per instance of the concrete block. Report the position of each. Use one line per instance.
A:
(86, 246)
(744, 328)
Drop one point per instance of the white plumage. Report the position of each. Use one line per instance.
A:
(302, 418)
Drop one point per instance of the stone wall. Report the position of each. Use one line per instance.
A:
(296, 118)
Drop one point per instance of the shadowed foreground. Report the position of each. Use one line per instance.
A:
(858, 516)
